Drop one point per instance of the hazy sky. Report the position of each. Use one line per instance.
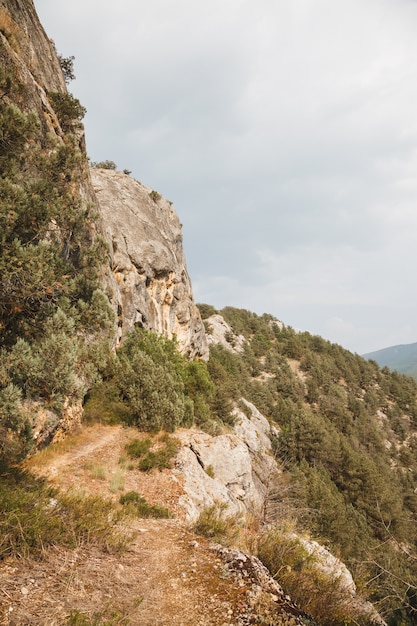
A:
(284, 132)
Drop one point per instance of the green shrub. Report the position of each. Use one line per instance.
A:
(15, 428)
(69, 109)
(104, 405)
(149, 384)
(67, 67)
(138, 506)
(155, 195)
(48, 367)
(149, 371)
(206, 310)
(104, 165)
(214, 524)
(161, 458)
(200, 391)
(16, 129)
(138, 447)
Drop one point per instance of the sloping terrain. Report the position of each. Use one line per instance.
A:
(164, 575)
(160, 579)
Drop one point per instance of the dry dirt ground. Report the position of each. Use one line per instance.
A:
(165, 576)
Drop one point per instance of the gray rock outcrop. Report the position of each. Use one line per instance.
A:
(149, 282)
(220, 332)
(235, 470)
(261, 588)
(237, 473)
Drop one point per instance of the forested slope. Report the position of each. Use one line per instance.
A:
(347, 438)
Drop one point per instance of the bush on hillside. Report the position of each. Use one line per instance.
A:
(50, 261)
(69, 110)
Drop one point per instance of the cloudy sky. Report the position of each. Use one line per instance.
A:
(284, 132)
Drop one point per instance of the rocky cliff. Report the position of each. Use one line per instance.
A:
(146, 278)
(28, 48)
(146, 281)
(149, 283)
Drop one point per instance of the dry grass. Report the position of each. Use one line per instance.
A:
(314, 589)
(117, 481)
(214, 523)
(34, 516)
(164, 573)
(97, 471)
(46, 455)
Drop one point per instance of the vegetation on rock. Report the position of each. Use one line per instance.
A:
(50, 261)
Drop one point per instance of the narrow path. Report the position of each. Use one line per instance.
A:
(164, 578)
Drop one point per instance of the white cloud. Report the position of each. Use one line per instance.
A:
(284, 133)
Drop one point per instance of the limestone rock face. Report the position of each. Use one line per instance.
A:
(149, 282)
(221, 333)
(233, 469)
(147, 278)
(27, 53)
(332, 569)
(25, 36)
(249, 570)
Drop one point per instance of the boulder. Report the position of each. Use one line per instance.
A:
(234, 469)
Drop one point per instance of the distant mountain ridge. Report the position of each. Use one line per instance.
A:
(402, 358)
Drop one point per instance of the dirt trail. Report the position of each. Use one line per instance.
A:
(163, 578)
(95, 462)
(166, 575)
(96, 439)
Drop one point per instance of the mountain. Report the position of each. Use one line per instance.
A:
(121, 400)
(401, 358)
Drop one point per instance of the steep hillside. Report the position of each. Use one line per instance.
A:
(67, 294)
(346, 435)
(51, 251)
(401, 358)
(160, 573)
(304, 447)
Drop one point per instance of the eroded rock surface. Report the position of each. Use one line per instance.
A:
(221, 333)
(234, 469)
(150, 283)
(251, 572)
(27, 41)
(148, 280)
